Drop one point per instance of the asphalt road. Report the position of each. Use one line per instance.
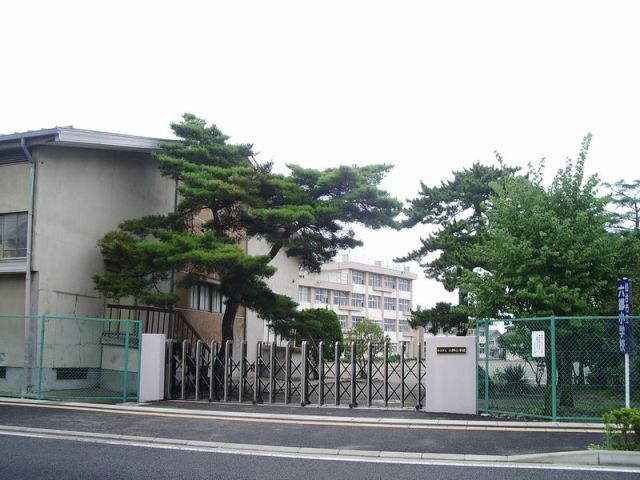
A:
(406, 438)
(54, 459)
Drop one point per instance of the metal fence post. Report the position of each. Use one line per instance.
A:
(486, 365)
(554, 373)
(198, 352)
(140, 332)
(303, 383)
(369, 372)
(337, 375)
(212, 366)
(41, 366)
(168, 371)
(402, 375)
(419, 405)
(243, 371)
(125, 379)
(385, 369)
(257, 397)
(272, 373)
(287, 372)
(354, 402)
(321, 373)
(227, 359)
(183, 374)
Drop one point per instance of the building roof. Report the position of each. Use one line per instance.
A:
(347, 262)
(76, 137)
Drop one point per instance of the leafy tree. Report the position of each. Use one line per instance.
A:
(226, 196)
(547, 252)
(456, 208)
(313, 325)
(442, 316)
(363, 333)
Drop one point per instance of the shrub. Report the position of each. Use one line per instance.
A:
(511, 378)
(622, 429)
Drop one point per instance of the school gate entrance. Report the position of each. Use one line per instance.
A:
(338, 374)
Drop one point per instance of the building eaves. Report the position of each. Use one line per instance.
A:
(75, 137)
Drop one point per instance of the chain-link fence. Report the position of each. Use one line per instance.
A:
(555, 367)
(69, 358)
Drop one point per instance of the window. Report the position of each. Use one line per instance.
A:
(322, 295)
(404, 284)
(340, 298)
(389, 325)
(374, 301)
(378, 322)
(206, 298)
(389, 282)
(403, 326)
(481, 348)
(13, 235)
(357, 277)
(303, 294)
(404, 305)
(374, 280)
(357, 300)
(355, 320)
(343, 321)
(389, 303)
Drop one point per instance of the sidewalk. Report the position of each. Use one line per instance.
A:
(325, 431)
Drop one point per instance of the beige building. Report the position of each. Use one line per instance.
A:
(61, 190)
(358, 290)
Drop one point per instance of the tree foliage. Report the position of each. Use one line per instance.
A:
(456, 209)
(442, 316)
(226, 196)
(313, 325)
(362, 334)
(546, 251)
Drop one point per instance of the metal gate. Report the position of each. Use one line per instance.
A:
(337, 374)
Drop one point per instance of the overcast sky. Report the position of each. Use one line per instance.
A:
(427, 86)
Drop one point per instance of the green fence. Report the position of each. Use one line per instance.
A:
(69, 358)
(575, 372)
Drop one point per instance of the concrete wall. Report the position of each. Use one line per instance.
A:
(14, 187)
(283, 282)
(80, 195)
(11, 329)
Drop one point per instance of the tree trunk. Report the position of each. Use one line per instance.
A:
(229, 318)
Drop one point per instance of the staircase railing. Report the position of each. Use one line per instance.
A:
(154, 320)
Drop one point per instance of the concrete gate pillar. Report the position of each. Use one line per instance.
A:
(450, 376)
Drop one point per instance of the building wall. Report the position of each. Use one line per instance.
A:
(80, 195)
(12, 329)
(283, 282)
(338, 276)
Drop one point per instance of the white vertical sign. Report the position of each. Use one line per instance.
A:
(537, 344)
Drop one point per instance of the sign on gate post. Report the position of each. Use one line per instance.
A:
(624, 330)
